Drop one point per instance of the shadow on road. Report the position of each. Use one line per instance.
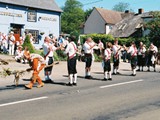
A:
(11, 87)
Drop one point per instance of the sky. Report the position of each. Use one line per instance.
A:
(147, 5)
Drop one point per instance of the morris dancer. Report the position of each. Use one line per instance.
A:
(141, 56)
(133, 51)
(37, 63)
(107, 59)
(152, 52)
(88, 50)
(11, 43)
(116, 52)
(48, 49)
(71, 51)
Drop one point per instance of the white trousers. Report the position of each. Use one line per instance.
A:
(11, 49)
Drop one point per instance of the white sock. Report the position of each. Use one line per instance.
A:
(71, 78)
(115, 71)
(105, 75)
(110, 75)
(46, 77)
(49, 76)
(89, 74)
(75, 78)
(134, 71)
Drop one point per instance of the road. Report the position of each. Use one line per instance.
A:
(124, 98)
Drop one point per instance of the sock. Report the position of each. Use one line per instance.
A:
(46, 77)
(75, 78)
(115, 71)
(110, 75)
(89, 74)
(134, 71)
(49, 76)
(71, 78)
(105, 75)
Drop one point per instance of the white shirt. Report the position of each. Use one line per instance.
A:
(71, 49)
(48, 47)
(19, 53)
(141, 51)
(155, 49)
(107, 54)
(133, 51)
(12, 39)
(115, 49)
(40, 58)
(87, 48)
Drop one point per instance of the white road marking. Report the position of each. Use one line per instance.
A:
(23, 101)
(124, 83)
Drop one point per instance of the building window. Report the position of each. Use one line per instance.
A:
(35, 35)
(32, 15)
(122, 26)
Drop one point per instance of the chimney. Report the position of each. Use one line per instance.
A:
(140, 11)
(127, 11)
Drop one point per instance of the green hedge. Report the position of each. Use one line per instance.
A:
(109, 38)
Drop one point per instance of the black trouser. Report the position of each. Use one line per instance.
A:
(88, 59)
(107, 66)
(50, 61)
(71, 63)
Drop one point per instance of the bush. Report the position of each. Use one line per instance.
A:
(28, 44)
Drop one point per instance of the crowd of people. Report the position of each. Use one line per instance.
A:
(140, 57)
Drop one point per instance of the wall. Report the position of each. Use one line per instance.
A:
(108, 28)
(95, 24)
(47, 21)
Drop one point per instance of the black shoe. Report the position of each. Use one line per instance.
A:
(48, 81)
(105, 79)
(113, 73)
(154, 70)
(118, 73)
(142, 70)
(75, 84)
(148, 70)
(133, 75)
(110, 79)
(86, 77)
(69, 84)
(138, 70)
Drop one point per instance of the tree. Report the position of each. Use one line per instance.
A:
(88, 13)
(154, 28)
(72, 16)
(28, 44)
(122, 7)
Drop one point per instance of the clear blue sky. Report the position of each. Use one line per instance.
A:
(148, 5)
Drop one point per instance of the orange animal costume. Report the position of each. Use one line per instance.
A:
(37, 63)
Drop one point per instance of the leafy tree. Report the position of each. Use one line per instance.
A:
(72, 16)
(28, 44)
(154, 28)
(88, 13)
(121, 7)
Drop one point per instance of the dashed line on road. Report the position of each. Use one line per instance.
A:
(119, 84)
(23, 101)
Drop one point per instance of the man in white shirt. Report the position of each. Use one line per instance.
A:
(152, 52)
(116, 52)
(88, 50)
(48, 50)
(11, 43)
(133, 51)
(71, 51)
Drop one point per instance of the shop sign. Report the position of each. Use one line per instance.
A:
(10, 14)
(48, 19)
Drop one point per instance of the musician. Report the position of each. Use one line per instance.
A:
(37, 63)
(88, 50)
(107, 59)
(48, 50)
(71, 51)
(141, 56)
(152, 52)
(11, 43)
(116, 52)
(133, 51)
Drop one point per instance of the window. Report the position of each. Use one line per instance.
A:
(122, 26)
(35, 35)
(32, 15)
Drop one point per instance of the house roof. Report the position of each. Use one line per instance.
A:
(129, 25)
(39, 4)
(110, 16)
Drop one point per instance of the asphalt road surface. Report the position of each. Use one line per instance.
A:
(124, 98)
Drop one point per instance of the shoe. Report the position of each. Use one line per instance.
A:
(75, 84)
(41, 85)
(28, 87)
(69, 84)
(142, 70)
(154, 70)
(88, 77)
(110, 79)
(148, 70)
(118, 73)
(138, 70)
(105, 79)
(48, 81)
(113, 73)
(133, 75)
